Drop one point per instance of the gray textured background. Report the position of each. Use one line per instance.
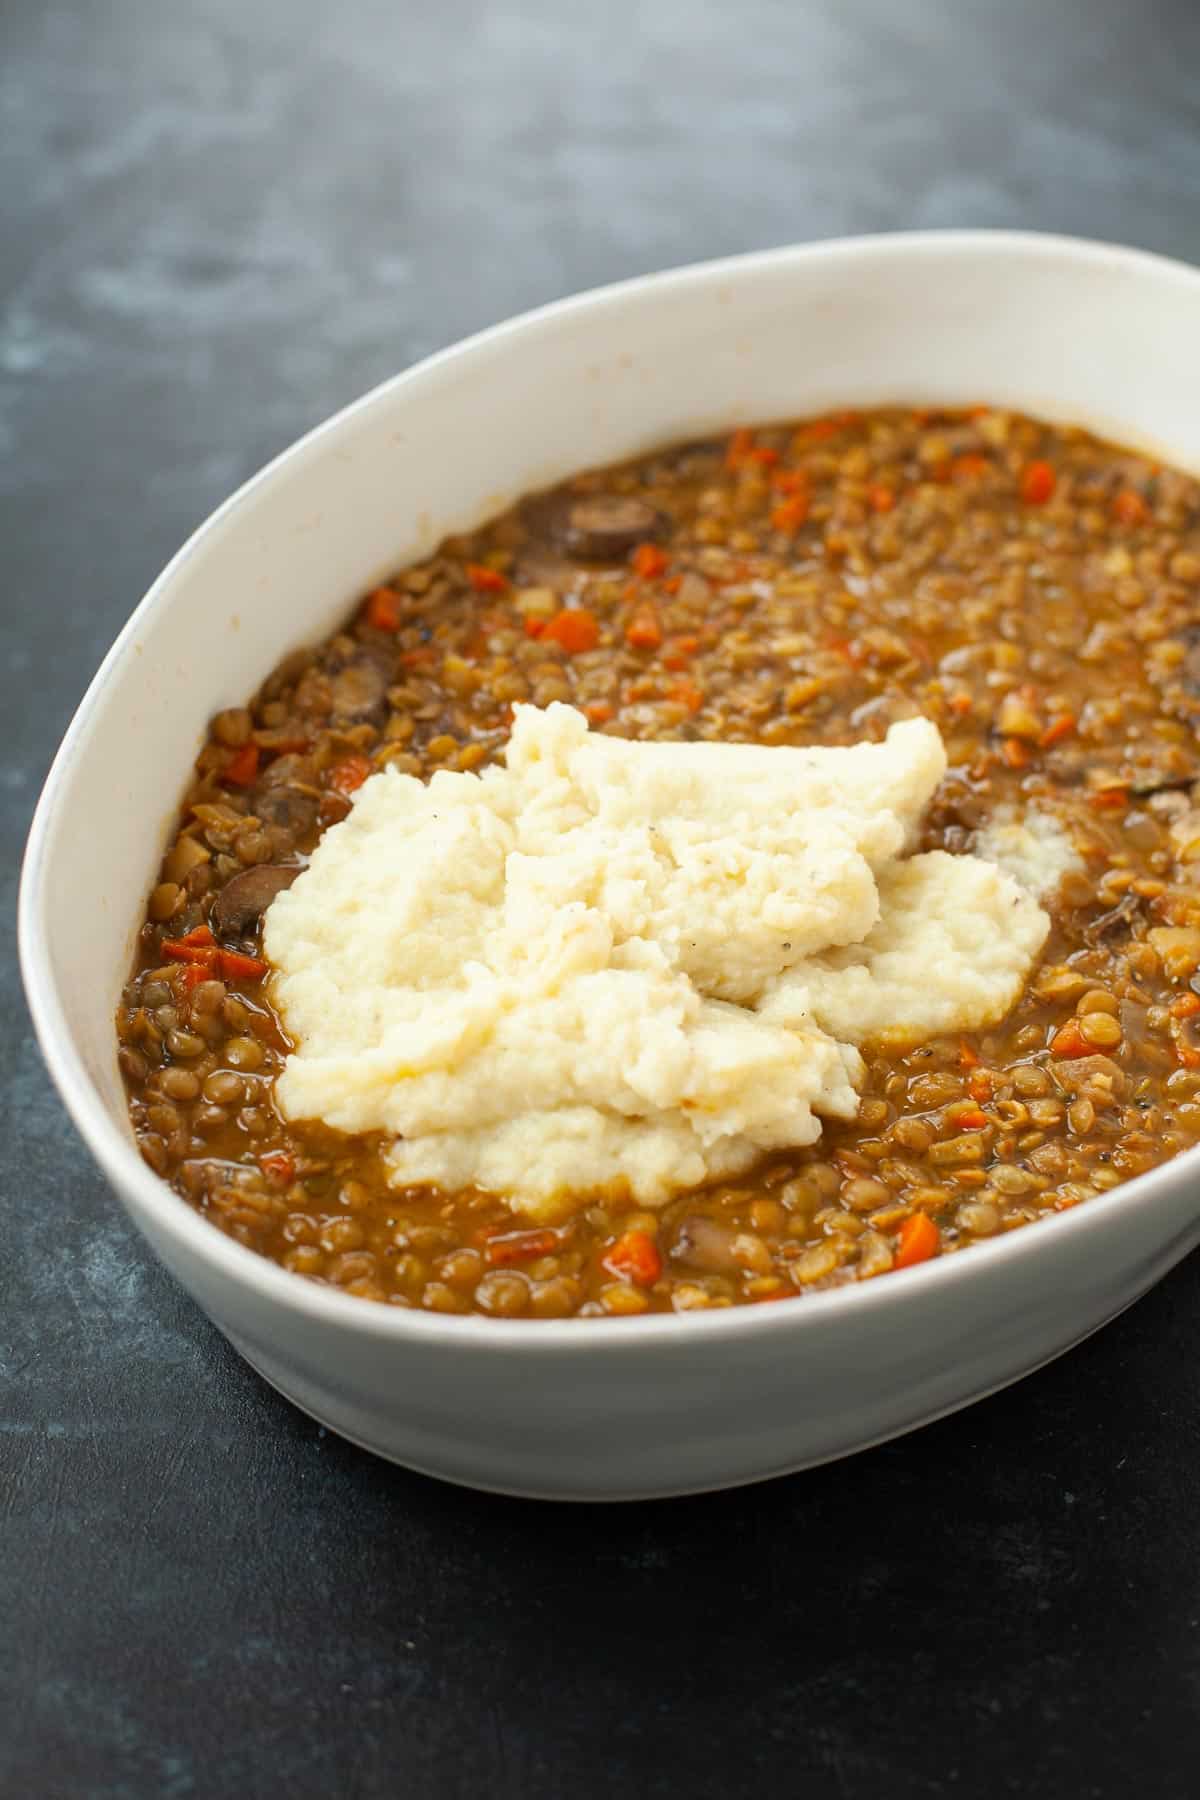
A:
(218, 222)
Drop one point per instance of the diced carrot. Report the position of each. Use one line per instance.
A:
(960, 704)
(978, 412)
(1186, 1007)
(635, 1256)
(686, 693)
(971, 1118)
(383, 609)
(598, 712)
(739, 447)
(485, 580)
(1187, 1055)
(790, 514)
(969, 467)
(882, 498)
(192, 974)
(242, 768)
(790, 481)
(200, 935)
(534, 627)
(349, 774)
(968, 1056)
(521, 1246)
(1113, 799)
(575, 631)
(650, 560)
(1038, 482)
(1015, 753)
(278, 1166)
(845, 648)
(979, 1085)
(199, 946)
(1069, 1042)
(918, 1241)
(817, 430)
(1056, 731)
(763, 453)
(680, 652)
(1129, 508)
(643, 631)
(236, 967)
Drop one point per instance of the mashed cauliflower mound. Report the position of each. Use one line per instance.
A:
(636, 964)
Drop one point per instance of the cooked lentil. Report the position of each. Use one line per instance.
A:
(1030, 589)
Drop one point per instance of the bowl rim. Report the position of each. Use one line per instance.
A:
(267, 1281)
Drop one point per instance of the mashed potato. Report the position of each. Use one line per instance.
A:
(623, 963)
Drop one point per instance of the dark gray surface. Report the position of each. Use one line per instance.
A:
(220, 221)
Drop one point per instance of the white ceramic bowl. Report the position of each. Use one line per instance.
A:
(1076, 332)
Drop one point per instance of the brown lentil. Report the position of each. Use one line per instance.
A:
(1054, 644)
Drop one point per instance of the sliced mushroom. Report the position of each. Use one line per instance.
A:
(359, 691)
(242, 902)
(1118, 918)
(706, 1244)
(294, 808)
(597, 527)
(290, 768)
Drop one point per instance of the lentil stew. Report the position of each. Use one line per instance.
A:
(1033, 591)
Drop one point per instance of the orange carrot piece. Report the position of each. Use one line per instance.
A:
(575, 631)
(1069, 1042)
(242, 768)
(979, 1085)
(1186, 1007)
(1129, 508)
(969, 467)
(643, 631)
(485, 580)
(278, 1166)
(680, 652)
(1015, 753)
(233, 966)
(1038, 482)
(739, 447)
(918, 1241)
(382, 611)
(650, 560)
(193, 973)
(199, 946)
(635, 1256)
(598, 712)
(521, 1246)
(686, 693)
(971, 1118)
(1113, 799)
(1056, 731)
(791, 513)
(968, 1056)
(882, 498)
(349, 774)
